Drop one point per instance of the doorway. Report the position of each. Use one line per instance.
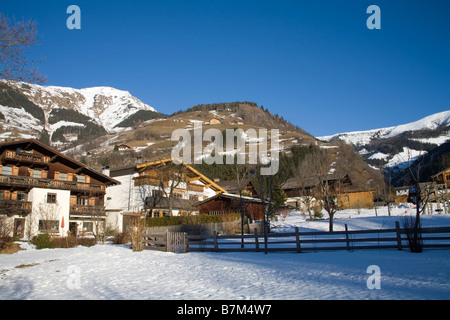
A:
(19, 227)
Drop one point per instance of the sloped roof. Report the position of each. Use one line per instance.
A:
(27, 144)
(230, 196)
(440, 172)
(232, 186)
(194, 174)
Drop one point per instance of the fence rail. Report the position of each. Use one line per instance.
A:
(438, 237)
(176, 242)
(432, 237)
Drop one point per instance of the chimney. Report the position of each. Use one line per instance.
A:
(106, 171)
(138, 160)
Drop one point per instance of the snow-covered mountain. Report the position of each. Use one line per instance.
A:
(26, 110)
(395, 146)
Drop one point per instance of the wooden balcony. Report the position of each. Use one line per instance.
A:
(29, 182)
(14, 207)
(25, 157)
(87, 211)
(195, 187)
(144, 180)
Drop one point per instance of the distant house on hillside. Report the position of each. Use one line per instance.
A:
(123, 147)
(214, 121)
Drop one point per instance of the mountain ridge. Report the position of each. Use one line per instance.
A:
(396, 146)
(100, 107)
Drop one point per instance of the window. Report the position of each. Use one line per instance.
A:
(158, 194)
(82, 201)
(36, 173)
(7, 171)
(51, 197)
(346, 199)
(88, 226)
(21, 196)
(81, 179)
(49, 225)
(178, 195)
(63, 176)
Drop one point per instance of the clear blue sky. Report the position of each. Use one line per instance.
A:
(313, 62)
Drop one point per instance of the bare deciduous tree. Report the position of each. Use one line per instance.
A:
(423, 192)
(171, 176)
(303, 176)
(16, 38)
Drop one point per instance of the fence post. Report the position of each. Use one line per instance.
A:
(346, 237)
(399, 236)
(216, 246)
(168, 241)
(297, 240)
(185, 242)
(256, 240)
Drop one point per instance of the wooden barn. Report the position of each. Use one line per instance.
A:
(225, 203)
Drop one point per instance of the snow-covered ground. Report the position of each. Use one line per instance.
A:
(115, 272)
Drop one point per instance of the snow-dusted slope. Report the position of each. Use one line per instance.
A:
(359, 138)
(396, 146)
(104, 105)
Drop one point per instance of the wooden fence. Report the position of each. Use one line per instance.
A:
(433, 237)
(438, 237)
(176, 242)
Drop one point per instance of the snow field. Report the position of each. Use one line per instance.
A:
(115, 272)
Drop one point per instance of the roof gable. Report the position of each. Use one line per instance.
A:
(193, 174)
(56, 156)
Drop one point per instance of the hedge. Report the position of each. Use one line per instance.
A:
(196, 219)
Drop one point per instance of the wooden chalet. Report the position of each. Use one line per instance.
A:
(45, 191)
(226, 203)
(160, 188)
(349, 196)
(178, 187)
(442, 177)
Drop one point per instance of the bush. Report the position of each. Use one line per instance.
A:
(318, 214)
(43, 241)
(121, 238)
(86, 242)
(71, 242)
(413, 234)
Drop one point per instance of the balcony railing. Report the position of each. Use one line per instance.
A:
(15, 207)
(91, 211)
(195, 187)
(25, 157)
(51, 184)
